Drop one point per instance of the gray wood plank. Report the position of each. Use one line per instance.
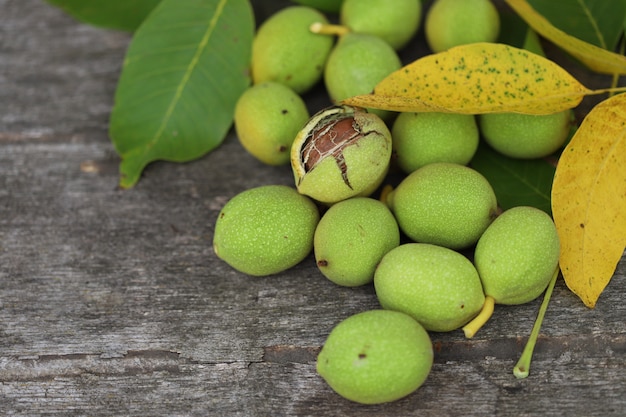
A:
(112, 302)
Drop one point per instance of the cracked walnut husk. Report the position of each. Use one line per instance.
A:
(341, 152)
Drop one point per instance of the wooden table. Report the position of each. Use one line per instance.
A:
(113, 303)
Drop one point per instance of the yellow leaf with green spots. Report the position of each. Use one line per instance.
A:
(477, 78)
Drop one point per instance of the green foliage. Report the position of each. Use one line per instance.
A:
(115, 14)
(597, 22)
(183, 73)
(516, 182)
(188, 64)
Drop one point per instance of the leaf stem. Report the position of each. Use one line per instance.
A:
(477, 322)
(522, 367)
(610, 90)
(328, 29)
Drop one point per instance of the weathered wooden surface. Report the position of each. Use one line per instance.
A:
(112, 302)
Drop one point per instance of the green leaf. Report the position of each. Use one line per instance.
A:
(184, 70)
(592, 56)
(597, 22)
(115, 14)
(516, 182)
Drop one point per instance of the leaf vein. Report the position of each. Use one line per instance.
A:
(192, 65)
(593, 22)
(597, 179)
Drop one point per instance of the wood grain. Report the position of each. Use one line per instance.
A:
(112, 302)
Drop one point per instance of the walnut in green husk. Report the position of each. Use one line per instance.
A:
(341, 152)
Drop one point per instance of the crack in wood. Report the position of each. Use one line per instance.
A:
(472, 350)
(48, 367)
(141, 362)
(290, 354)
(547, 347)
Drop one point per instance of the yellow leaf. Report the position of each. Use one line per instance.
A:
(477, 78)
(589, 200)
(597, 59)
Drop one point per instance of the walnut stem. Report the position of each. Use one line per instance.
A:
(522, 367)
(328, 29)
(477, 322)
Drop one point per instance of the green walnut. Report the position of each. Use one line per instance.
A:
(437, 286)
(265, 230)
(351, 239)
(424, 138)
(356, 64)
(395, 22)
(342, 152)
(458, 22)
(516, 258)
(526, 136)
(268, 116)
(444, 204)
(376, 356)
(286, 51)
(517, 255)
